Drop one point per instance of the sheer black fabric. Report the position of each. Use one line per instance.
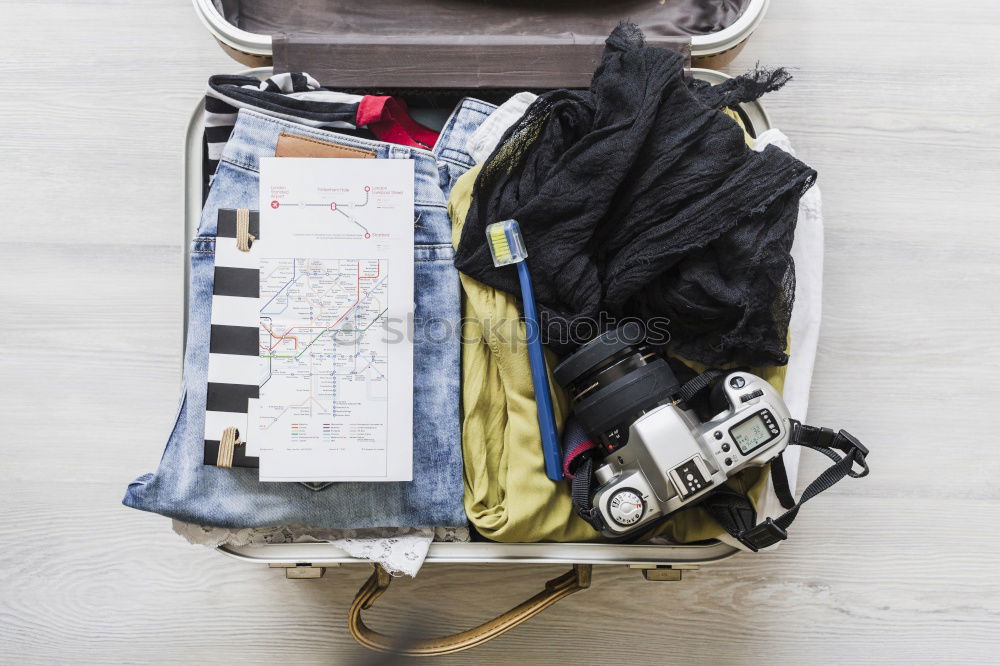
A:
(638, 197)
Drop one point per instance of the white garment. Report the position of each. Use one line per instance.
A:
(398, 550)
(807, 251)
(487, 136)
(803, 329)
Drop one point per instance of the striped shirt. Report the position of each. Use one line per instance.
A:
(292, 96)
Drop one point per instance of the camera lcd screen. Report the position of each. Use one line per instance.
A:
(750, 434)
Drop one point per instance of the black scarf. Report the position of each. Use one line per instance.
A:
(639, 198)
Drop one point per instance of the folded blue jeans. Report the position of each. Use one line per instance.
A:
(186, 489)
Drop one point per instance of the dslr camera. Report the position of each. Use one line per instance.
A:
(655, 454)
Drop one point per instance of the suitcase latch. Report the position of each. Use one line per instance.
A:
(303, 570)
(663, 572)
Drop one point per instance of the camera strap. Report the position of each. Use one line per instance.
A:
(694, 386)
(731, 509)
(578, 467)
(779, 480)
(734, 511)
(841, 447)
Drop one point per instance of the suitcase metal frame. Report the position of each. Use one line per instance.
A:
(308, 560)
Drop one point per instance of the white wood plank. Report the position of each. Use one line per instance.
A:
(897, 109)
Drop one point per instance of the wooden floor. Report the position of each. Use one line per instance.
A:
(896, 108)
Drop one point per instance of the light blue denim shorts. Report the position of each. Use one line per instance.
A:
(186, 489)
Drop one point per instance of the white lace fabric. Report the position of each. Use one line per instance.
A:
(400, 551)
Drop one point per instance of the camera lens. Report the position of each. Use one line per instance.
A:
(579, 365)
(614, 379)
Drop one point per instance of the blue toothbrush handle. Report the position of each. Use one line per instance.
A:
(540, 379)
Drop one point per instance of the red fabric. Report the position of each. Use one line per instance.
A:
(574, 454)
(389, 120)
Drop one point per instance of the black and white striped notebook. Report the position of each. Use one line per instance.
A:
(234, 359)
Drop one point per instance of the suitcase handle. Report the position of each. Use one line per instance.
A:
(578, 578)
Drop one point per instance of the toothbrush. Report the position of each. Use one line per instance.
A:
(507, 247)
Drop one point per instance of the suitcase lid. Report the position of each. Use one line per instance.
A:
(464, 43)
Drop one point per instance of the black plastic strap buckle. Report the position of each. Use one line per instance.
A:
(853, 442)
(811, 435)
(766, 534)
(857, 451)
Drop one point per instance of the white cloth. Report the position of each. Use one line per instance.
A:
(486, 137)
(807, 251)
(803, 329)
(399, 551)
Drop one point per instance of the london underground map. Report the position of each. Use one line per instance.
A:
(336, 271)
(322, 341)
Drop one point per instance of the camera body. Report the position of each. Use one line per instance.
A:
(658, 456)
(671, 459)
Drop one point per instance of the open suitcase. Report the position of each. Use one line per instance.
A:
(376, 62)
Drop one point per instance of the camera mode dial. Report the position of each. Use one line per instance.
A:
(626, 507)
